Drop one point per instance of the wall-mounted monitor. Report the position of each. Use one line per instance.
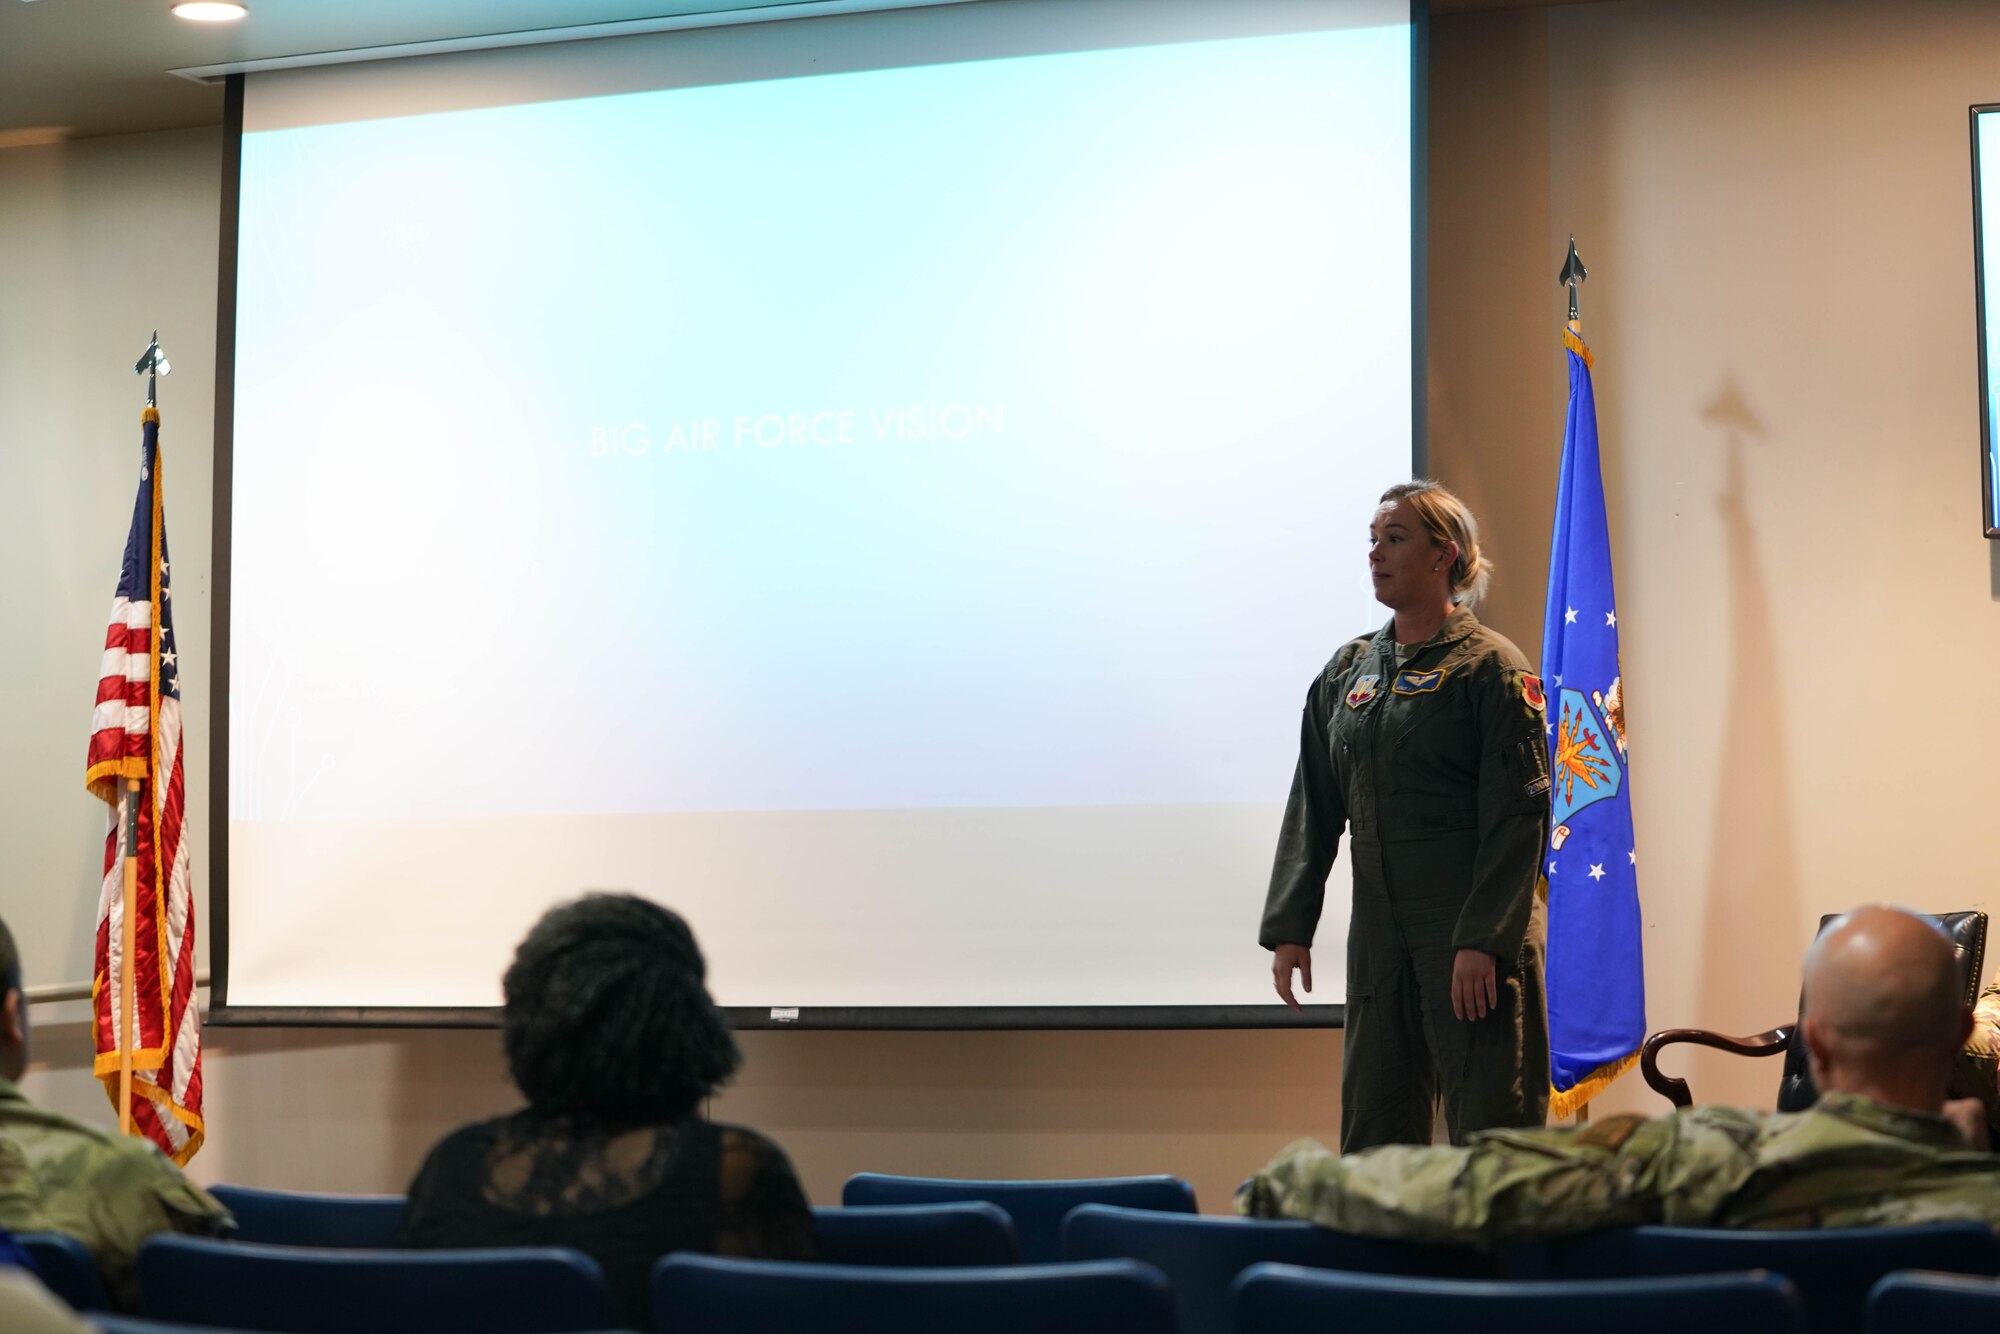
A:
(1986, 255)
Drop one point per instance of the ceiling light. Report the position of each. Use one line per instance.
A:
(209, 11)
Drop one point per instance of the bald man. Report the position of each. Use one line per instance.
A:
(1882, 1026)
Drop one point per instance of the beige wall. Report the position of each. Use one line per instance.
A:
(1783, 302)
(1774, 204)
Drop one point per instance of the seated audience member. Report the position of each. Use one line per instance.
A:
(1882, 1024)
(613, 1040)
(107, 1190)
(1976, 1073)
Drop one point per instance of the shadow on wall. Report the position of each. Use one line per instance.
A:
(1993, 555)
(1754, 903)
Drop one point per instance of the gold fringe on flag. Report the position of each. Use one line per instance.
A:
(1577, 345)
(1570, 1101)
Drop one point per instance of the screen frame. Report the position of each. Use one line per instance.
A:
(830, 1018)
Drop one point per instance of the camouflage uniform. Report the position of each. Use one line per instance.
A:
(109, 1191)
(1976, 1073)
(1848, 1161)
(1438, 768)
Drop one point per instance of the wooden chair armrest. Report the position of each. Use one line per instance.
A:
(1769, 1043)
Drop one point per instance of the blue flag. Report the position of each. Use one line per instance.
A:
(1596, 976)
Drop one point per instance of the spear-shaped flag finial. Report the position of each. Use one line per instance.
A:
(153, 365)
(1572, 273)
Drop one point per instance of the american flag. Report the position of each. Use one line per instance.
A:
(130, 738)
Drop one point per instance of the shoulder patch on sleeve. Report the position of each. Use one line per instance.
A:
(1531, 691)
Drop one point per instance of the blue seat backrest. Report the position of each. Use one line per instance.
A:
(1941, 1302)
(917, 1235)
(1834, 1268)
(302, 1290)
(291, 1218)
(67, 1269)
(1037, 1207)
(1201, 1255)
(1286, 1297)
(702, 1294)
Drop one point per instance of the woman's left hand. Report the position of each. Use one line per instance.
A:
(1475, 984)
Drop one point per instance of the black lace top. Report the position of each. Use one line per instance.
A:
(623, 1195)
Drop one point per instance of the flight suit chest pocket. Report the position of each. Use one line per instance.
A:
(1439, 716)
(1434, 745)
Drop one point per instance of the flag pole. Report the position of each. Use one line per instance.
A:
(151, 365)
(128, 839)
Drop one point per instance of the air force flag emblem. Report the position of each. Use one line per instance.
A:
(1586, 767)
(1364, 690)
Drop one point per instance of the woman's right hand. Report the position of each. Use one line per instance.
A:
(1289, 959)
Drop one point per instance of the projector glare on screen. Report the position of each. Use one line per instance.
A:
(880, 485)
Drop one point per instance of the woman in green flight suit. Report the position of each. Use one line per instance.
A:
(1426, 742)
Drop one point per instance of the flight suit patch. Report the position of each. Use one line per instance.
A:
(1364, 690)
(1419, 683)
(1531, 758)
(1531, 691)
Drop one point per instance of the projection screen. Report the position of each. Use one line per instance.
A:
(880, 484)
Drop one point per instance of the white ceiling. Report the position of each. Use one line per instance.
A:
(79, 68)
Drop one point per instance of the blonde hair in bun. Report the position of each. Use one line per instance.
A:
(1446, 519)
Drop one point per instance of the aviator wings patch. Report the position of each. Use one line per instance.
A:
(1419, 683)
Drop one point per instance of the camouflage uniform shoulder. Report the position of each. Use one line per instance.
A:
(72, 1158)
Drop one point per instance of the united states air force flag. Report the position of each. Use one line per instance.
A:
(1596, 979)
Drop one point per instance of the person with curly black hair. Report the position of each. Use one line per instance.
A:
(611, 1036)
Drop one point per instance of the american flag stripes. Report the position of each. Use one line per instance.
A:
(136, 734)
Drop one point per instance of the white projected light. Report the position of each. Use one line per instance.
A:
(880, 485)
